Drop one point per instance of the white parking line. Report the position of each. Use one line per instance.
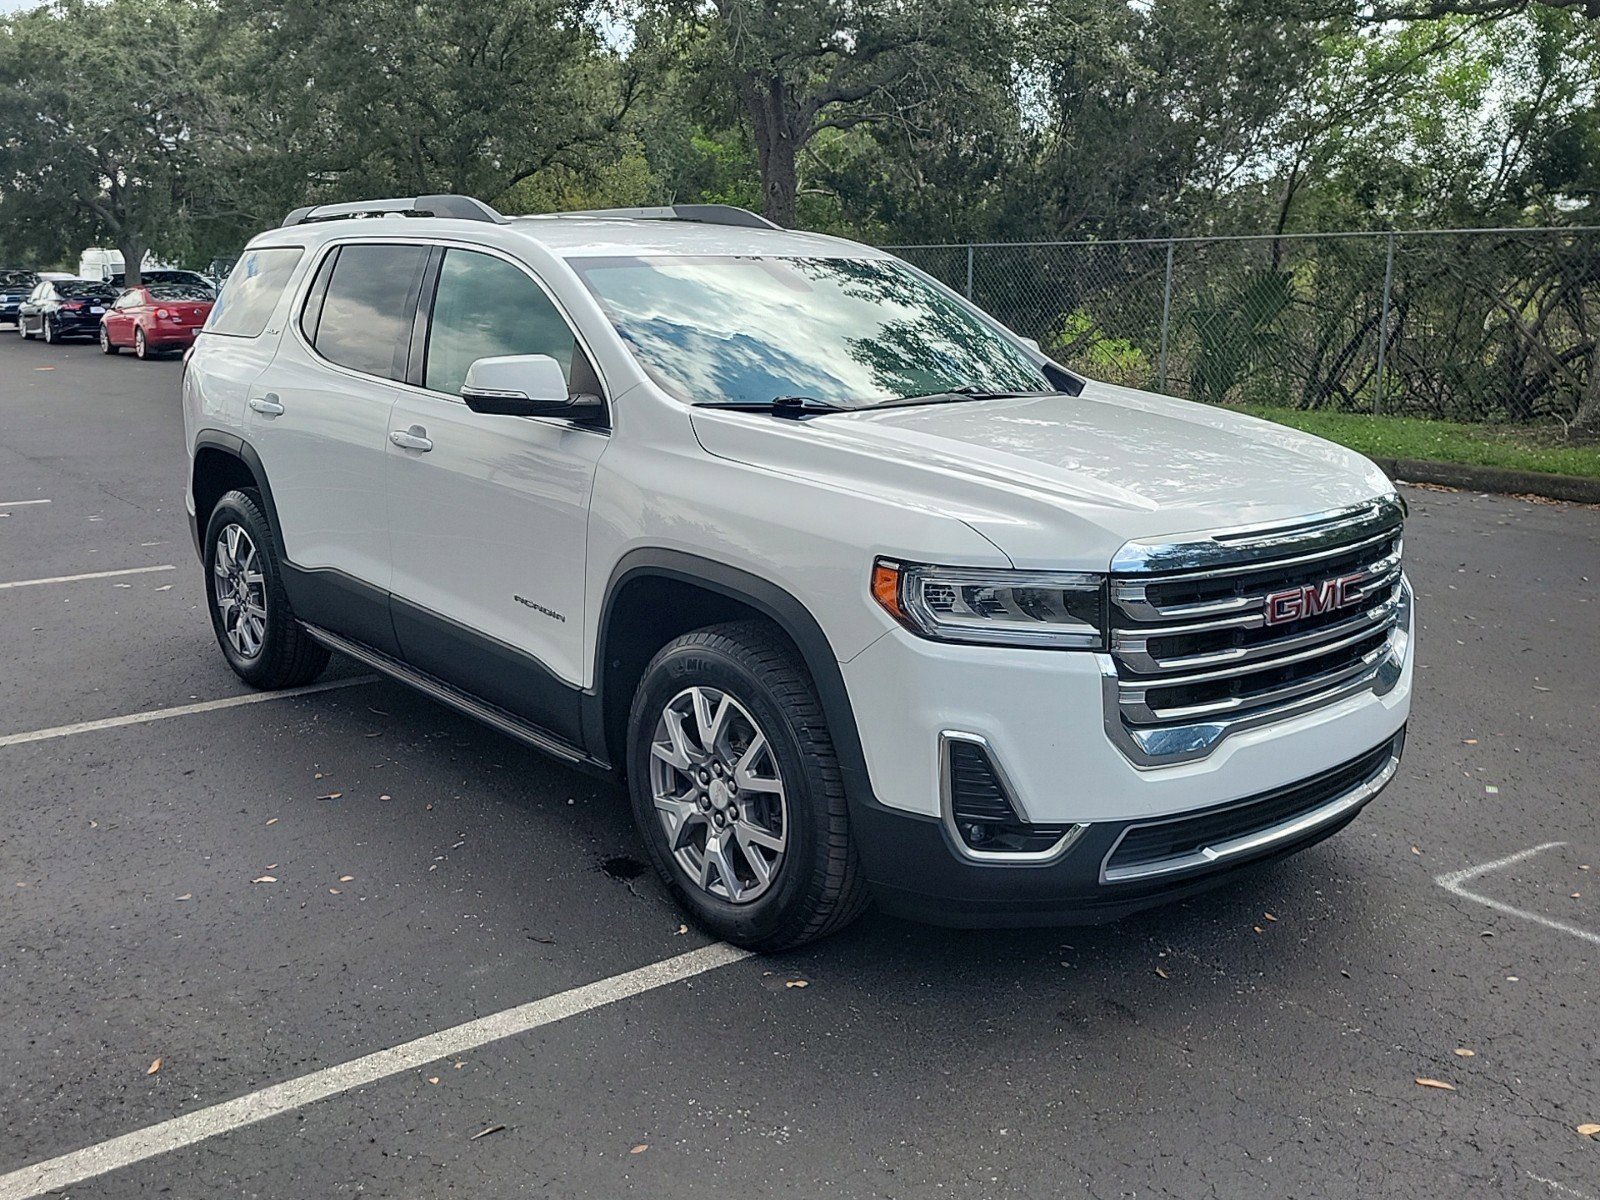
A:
(93, 1161)
(90, 575)
(1452, 881)
(181, 710)
(1560, 1187)
(20, 503)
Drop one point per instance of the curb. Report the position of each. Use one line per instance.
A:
(1574, 488)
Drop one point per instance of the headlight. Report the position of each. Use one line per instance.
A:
(994, 607)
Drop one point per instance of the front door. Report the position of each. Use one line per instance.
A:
(489, 514)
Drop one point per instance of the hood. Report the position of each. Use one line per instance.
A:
(1065, 480)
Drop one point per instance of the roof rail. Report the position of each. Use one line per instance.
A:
(707, 214)
(462, 208)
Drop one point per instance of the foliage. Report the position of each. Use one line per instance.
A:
(107, 113)
(1441, 441)
(186, 125)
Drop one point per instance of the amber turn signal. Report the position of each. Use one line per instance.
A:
(886, 588)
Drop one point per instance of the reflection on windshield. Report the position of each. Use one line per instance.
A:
(850, 332)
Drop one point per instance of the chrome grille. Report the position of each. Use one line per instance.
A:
(1193, 654)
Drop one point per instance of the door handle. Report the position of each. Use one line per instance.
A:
(414, 438)
(267, 405)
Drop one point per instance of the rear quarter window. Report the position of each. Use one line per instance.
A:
(252, 291)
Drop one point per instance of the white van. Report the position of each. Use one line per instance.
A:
(99, 262)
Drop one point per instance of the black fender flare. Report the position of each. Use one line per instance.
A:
(778, 606)
(234, 445)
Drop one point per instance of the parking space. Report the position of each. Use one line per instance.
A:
(257, 894)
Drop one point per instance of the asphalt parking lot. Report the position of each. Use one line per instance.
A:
(269, 898)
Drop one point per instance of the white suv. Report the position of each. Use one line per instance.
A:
(862, 595)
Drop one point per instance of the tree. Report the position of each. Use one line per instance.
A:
(799, 67)
(105, 109)
(373, 97)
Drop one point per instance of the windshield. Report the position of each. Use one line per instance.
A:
(181, 291)
(848, 332)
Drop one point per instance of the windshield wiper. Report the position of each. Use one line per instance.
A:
(967, 391)
(783, 406)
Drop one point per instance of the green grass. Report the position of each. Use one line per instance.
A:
(1516, 448)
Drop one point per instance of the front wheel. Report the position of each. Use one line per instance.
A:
(737, 790)
(250, 611)
(107, 346)
(22, 328)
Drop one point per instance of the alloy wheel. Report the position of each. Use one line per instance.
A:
(719, 794)
(240, 591)
(141, 348)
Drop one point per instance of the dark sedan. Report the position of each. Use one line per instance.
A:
(14, 289)
(65, 308)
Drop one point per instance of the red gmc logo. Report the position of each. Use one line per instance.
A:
(1312, 599)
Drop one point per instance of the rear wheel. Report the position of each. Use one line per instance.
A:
(49, 330)
(107, 346)
(141, 348)
(250, 613)
(737, 791)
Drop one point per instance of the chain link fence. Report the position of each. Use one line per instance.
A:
(1486, 325)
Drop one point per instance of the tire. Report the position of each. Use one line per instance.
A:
(48, 330)
(268, 651)
(107, 346)
(22, 328)
(814, 886)
(141, 348)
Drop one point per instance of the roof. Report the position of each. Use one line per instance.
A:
(590, 237)
(587, 235)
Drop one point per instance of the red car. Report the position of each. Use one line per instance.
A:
(156, 317)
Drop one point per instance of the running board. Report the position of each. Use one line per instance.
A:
(444, 693)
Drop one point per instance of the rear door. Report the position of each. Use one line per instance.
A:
(490, 519)
(319, 419)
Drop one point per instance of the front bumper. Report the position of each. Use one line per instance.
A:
(1042, 717)
(918, 871)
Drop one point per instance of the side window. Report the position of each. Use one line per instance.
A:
(484, 307)
(251, 293)
(367, 310)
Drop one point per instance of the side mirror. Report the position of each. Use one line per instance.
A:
(524, 385)
(1031, 343)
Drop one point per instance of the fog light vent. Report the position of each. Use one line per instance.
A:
(975, 792)
(983, 813)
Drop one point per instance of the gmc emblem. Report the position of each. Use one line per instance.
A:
(1312, 599)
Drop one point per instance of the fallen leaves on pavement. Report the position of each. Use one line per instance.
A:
(1436, 1083)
